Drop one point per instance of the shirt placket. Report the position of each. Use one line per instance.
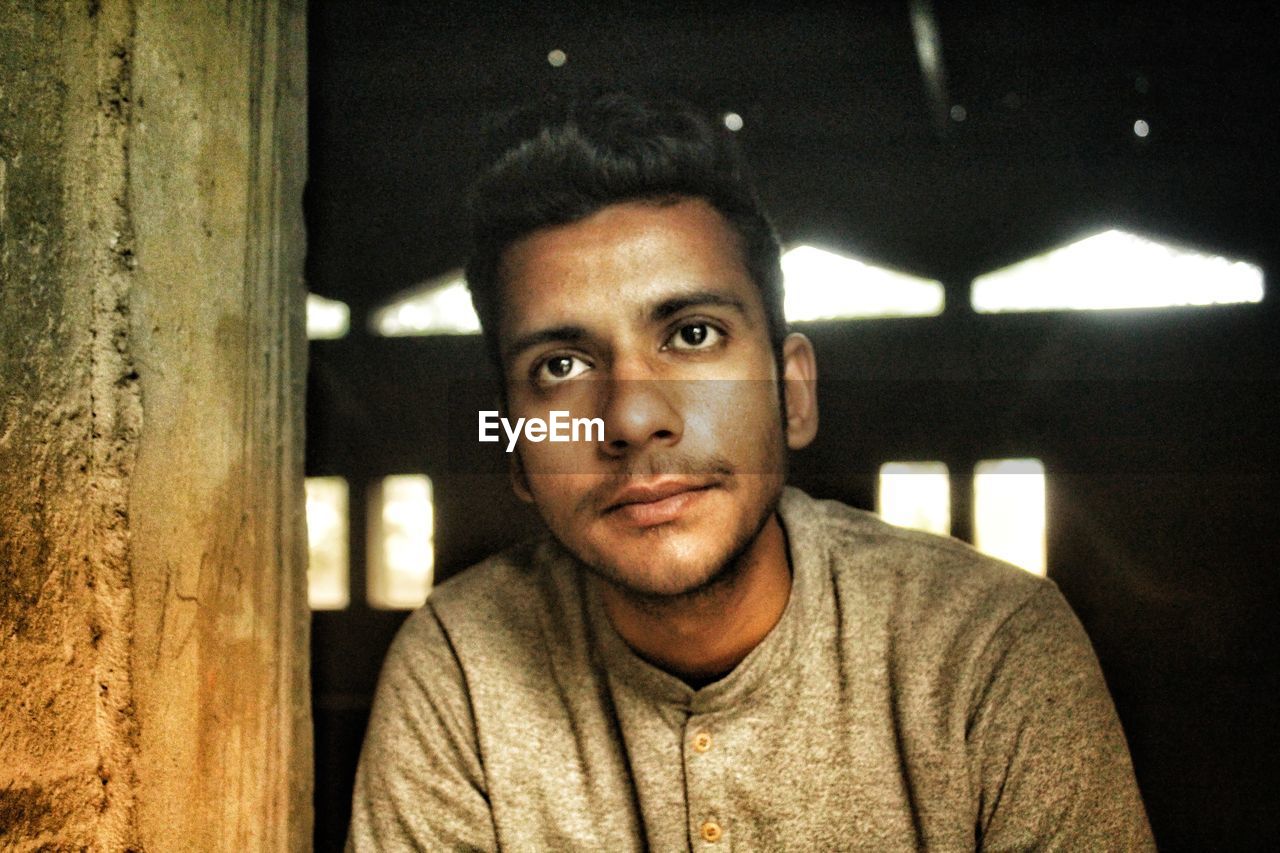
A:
(705, 765)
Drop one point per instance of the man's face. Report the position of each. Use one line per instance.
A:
(644, 315)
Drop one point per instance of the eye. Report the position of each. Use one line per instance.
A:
(695, 336)
(558, 368)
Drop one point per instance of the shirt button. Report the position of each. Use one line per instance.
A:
(711, 832)
(701, 742)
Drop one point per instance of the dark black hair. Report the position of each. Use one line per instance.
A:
(561, 162)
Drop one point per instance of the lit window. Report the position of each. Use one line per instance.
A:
(401, 549)
(327, 585)
(1009, 511)
(1117, 270)
(916, 494)
(327, 319)
(822, 285)
(441, 306)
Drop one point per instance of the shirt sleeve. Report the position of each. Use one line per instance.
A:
(1049, 759)
(420, 784)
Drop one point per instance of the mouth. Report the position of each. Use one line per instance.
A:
(660, 502)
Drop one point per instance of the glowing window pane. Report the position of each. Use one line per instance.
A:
(327, 584)
(327, 319)
(1117, 270)
(916, 494)
(401, 549)
(441, 306)
(821, 285)
(1009, 511)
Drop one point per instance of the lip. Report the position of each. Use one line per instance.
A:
(651, 504)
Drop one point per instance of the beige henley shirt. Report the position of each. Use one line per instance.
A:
(914, 694)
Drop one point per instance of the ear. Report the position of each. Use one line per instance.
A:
(519, 482)
(800, 390)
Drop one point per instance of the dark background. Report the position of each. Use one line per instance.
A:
(1155, 426)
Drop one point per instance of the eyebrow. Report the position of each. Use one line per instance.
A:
(669, 307)
(554, 334)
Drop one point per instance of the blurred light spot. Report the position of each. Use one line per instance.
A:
(401, 542)
(1012, 100)
(327, 584)
(1009, 511)
(1114, 270)
(1141, 128)
(441, 306)
(327, 319)
(959, 113)
(1142, 84)
(733, 121)
(557, 58)
(822, 285)
(917, 495)
(924, 28)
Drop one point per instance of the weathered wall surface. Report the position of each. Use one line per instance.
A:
(59, 737)
(153, 671)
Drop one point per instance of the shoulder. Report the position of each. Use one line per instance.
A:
(885, 556)
(507, 584)
(500, 611)
(935, 590)
(954, 629)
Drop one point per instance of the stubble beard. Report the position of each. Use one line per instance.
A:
(718, 577)
(722, 573)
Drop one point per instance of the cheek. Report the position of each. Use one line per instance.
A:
(703, 420)
(740, 419)
(577, 443)
(562, 463)
(557, 496)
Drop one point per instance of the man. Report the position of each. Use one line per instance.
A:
(698, 656)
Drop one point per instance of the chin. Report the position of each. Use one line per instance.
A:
(670, 561)
(670, 584)
(682, 569)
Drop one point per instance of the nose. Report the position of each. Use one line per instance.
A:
(640, 412)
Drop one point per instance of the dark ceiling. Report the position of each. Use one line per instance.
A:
(838, 123)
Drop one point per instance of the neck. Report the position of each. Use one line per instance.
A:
(701, 637)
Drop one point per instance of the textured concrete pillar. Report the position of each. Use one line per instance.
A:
(153, 623)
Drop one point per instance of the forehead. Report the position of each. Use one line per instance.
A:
(619, 259)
